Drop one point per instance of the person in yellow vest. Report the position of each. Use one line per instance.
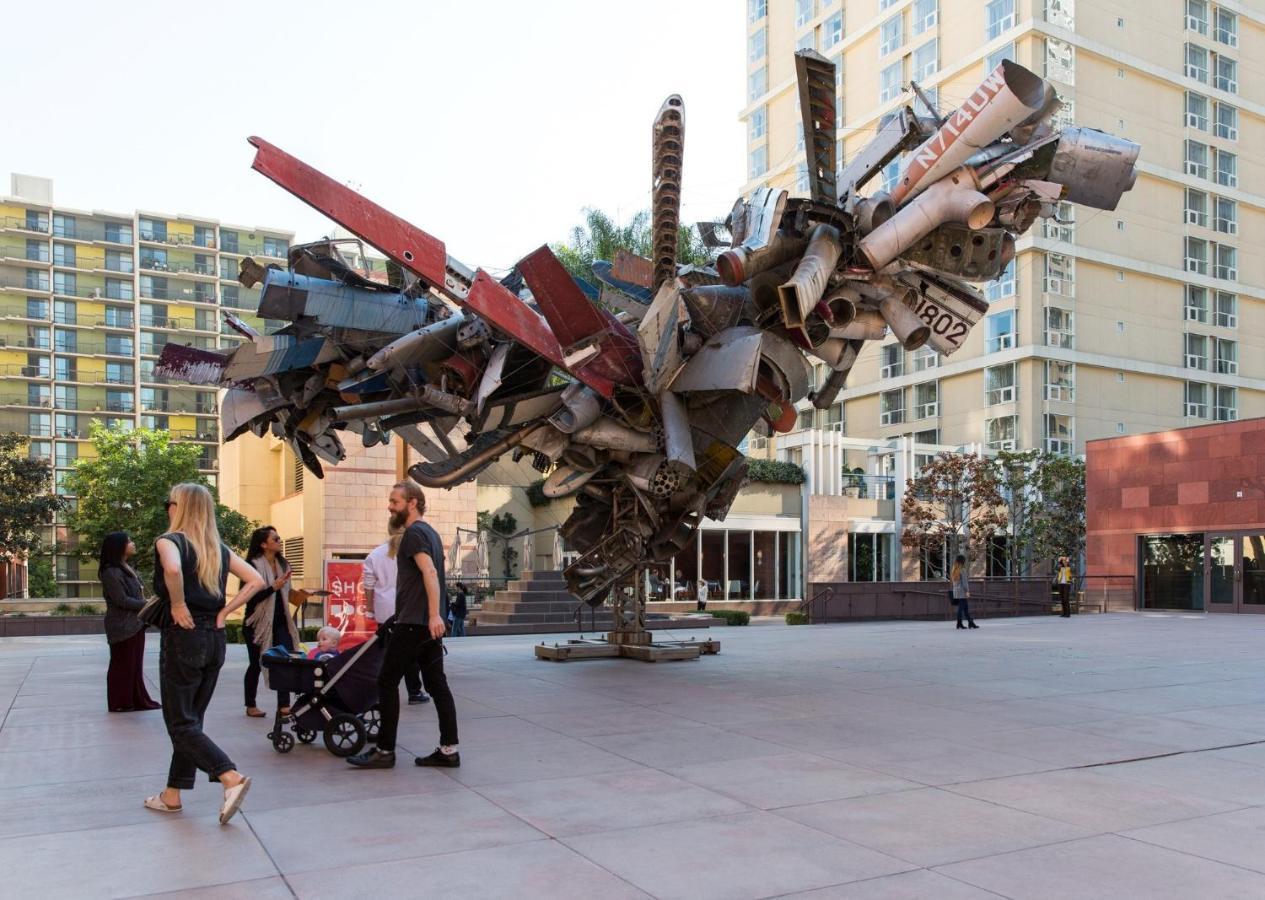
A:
(1063, 581)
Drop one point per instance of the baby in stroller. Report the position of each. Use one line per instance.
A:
(326, 643)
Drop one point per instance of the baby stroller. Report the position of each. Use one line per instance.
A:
(338, 697)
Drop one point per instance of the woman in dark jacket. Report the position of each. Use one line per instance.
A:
(125, 680)
(267, 622)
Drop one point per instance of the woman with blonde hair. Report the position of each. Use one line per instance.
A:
(960, 578)
(379, 583)
(191, 568)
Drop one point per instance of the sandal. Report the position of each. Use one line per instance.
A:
(254, 712)
(156, 803)
(233, 798)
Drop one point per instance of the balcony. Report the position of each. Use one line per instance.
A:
(13, 370)
(85, 347)
(165, 322)
(77, 230)
(28, 343)
(126, 323)
(33, 226)
(12, 282)
(255, 248)
(179, 267)
(176, 240)
(20, 252)
(181, 294)
(206, 436)
(247, 300)
(18, 308)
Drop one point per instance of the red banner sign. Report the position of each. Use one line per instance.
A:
(345, 605)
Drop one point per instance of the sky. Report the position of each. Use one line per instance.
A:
(489, 124)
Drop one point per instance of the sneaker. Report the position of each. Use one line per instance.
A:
(373, 759)
(441, 759)
(420, 697)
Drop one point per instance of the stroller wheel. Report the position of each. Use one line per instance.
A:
(372, 718)
(345, 735)
(283, 742)
(305, 735)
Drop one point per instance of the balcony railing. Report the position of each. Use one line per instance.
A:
(247, 300)
(36, 253)
(253, 248)
(184, 268)
(872, 487)
(21, 284)
(178, 240)
(20, 371)
(205, 435)
(29, 343)
(178, 295)
(95, 348)
(165, 322)
(24, 224)
(93, 231)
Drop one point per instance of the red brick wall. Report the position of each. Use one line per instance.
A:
(1206, 478)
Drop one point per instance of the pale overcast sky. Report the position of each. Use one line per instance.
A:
(489, 124)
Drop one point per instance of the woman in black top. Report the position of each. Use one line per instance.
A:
(268, 622)
(191, 567)
(125, 679)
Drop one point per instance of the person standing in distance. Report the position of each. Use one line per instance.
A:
(1063, 582)
(417, 635)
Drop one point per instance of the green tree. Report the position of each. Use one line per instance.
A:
(599, 238)
(123, 485)
(1018, 476)
(500, 527)
(1059, 526)
(27, 500)
(40, 580)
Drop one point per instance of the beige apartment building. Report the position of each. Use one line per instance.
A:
(1145, 318)
(88, 300)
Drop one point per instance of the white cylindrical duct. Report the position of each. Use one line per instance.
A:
(871, 328)
(608, 434)
(737, 265)
(580, 407)
(836, 353)
(1008, 96)
(954, 198)
(911, 331)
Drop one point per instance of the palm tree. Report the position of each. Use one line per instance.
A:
(599, 238)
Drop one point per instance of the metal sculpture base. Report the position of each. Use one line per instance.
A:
(629, 637)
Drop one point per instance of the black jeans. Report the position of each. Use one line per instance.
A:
(1065, 594)
(280, 637)
(189, 663)
(409, 648)
(964, 610)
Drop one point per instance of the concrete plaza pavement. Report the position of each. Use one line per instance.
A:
(1104, 756)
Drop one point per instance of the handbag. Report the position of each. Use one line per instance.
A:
(156, 613)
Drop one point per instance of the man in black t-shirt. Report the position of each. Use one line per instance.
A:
(416, 635)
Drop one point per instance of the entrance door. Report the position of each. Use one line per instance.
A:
(1235, 572)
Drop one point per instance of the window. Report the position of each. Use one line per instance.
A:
(36, 308)
(67, 453)
(1227, 172)
(1227, 75)
(1197, 159)
(891, 35)
(1196, 352)
(803, 12)
(1225, 356)
(1058, 434)
(118, 345)
(1225, 310)
(759, 162)
(1001, 332)
(119, 373)
(993, 60)
(1060, 381)
(924, 15)
(1196, 400)
(40, 450)
(891, 172)
(801, 179)
(228, 240)
(832, 30)
(118, 232)
(64, 368)
(807, 40)
(1197, 16)
(1196, 256)
(1060, 328)
(64, 312)
(757, 45)
(120, 401)
(37, 221)
(926, 61)
(63, 226)
(1225, 406)
(1227, 124)
(1060, 61)
(999, 384)
(1003, 287)
(869, 556)
(66, 396)
(1060, 275)
(757, 126)
(36, 280)
(757, 85)
(999, 433)
(889, 80)
(39, 395)
(999, 16)
(1196, 63)
(1196, 111)
(118, 261)
(1227, 30)
(65, 283)
(152, 230)
(1196, 208)
(925, 357)
(891, 361)
(892, 405)
(63, 254)
(926, 400)
(757, 10)
(1227, 263)
(1196, 304)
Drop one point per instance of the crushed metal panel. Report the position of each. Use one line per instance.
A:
(278, 353)
(632, 269)
(288, 295)
(192, 364)
(816, 77)
(729, 361)
(659, 337)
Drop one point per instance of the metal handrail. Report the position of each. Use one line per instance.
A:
(810, 604)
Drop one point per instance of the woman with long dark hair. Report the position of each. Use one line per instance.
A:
(960, 578)
(191, 567)
(268, 622)
(125, 679)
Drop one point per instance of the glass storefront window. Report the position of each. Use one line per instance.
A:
(738, 580)
(1173, 571)
(713, 567)
(869, 557)
(789, 575)
(764, 563)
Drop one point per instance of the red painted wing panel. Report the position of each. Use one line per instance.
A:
(406, 244)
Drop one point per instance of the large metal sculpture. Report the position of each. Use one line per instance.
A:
(635, 399)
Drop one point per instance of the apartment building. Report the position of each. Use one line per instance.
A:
(1146, 318)
(88, 299)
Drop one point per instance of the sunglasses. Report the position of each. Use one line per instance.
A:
(168, 504)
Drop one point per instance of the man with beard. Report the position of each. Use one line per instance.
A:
(416, 637)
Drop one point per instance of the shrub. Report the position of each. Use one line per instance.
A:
(536, 493)
(87, 609)
(62, 609)
(732, 616)
(308, 633)
(774, 472)
(796, 618)
(233, 632)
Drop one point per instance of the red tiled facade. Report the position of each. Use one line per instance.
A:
(1206, 478)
